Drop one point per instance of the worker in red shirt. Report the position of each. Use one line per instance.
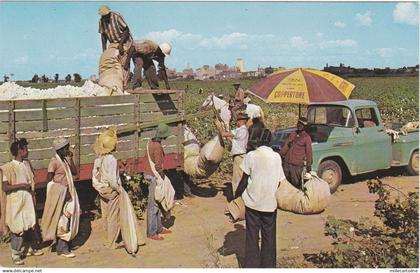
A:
(297, 150)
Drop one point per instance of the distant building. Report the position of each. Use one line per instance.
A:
(366, 72)
(171, 73)
(205, 73)
(240, 65)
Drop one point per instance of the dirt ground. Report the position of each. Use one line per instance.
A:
(203, 237)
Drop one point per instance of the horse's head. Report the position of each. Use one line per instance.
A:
(208, 101)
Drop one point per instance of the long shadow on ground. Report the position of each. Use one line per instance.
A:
(234, 244)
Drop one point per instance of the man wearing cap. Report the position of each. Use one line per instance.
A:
(153, 168)
(238, 100)
(143, 53)
(295, 151)
(239, 138)
(117, 211)
(114, 29)
(60, 219)
(262, 173)
(17, 197)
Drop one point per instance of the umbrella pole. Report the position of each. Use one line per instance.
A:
(299, 110)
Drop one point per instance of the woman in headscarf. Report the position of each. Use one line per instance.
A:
(118, 213)
(60, 220)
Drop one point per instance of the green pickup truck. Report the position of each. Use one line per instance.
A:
(349, 138)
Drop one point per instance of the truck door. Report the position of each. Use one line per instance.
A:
(373, 145)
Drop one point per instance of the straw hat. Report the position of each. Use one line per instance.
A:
(106, 142)
(104, 10)
(163, 131)
(60, 142)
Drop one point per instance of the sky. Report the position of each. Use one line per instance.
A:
(62, 37)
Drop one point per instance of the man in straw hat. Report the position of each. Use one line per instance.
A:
(117, 211)
(17, 196)
(114, 29)
(153, 173)
(61, 210)
(295, 151)
(239, 138)
(262, 173)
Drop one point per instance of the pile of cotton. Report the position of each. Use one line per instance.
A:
(13, 91)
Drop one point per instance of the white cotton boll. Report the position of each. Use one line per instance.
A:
(13, 91)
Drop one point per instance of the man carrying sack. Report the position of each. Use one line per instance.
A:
(161, 192)
(17, 196)
(61, 210)
(143, 53)
(262, 173)
(114, 29)
(297, 148)
(117, 211)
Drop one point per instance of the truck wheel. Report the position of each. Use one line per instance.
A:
(413, 164)
(330, 171)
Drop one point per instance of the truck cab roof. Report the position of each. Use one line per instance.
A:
(352, 103)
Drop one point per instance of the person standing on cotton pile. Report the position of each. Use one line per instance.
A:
(114, 29)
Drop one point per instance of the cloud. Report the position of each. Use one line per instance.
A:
(164, 36)
(339, 24)
(319, 34)
(338, 43)
(298, 42)
(406, 13)
(21, 60)
(364, 19)
(224, 41)
(190, 41)
(387, 52)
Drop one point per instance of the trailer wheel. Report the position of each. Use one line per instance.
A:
(330, 171)
(413, 164)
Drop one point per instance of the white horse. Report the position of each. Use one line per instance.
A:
(252, 110)
(221, 107)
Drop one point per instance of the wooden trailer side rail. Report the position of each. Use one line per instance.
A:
(82, 119)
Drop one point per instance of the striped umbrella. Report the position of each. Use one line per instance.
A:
(302, 86)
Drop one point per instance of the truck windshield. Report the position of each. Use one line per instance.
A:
(332, 115)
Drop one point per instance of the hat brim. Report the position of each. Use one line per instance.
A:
(61, 145)
(163, 135)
